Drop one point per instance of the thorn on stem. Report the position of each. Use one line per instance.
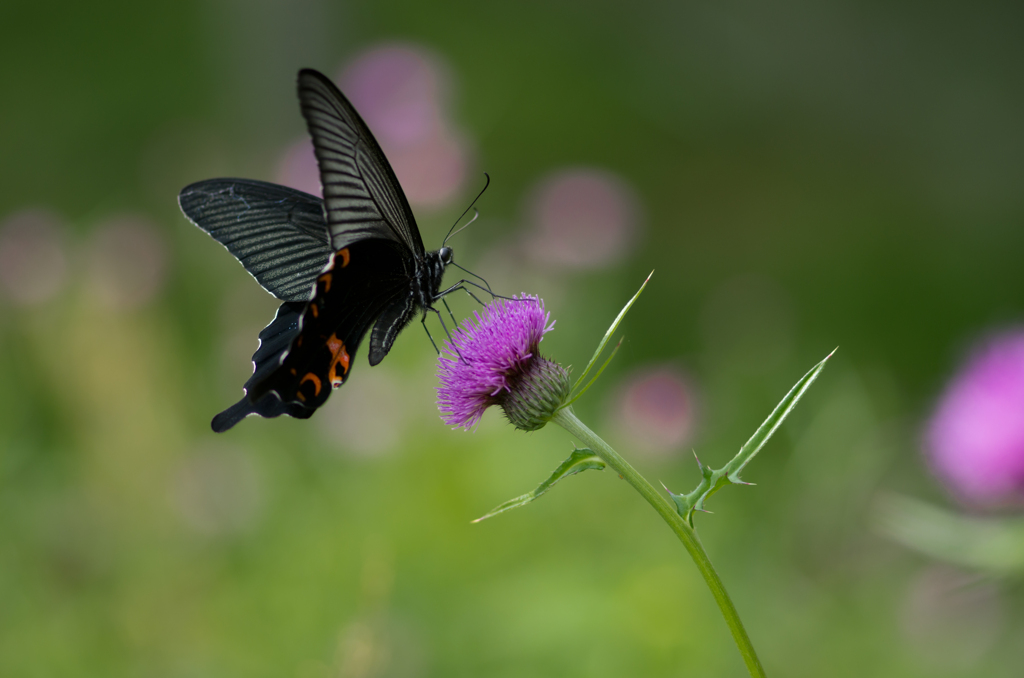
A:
(670, 492)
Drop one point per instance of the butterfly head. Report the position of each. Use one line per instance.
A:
(445, 255)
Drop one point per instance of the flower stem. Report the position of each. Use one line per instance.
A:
(566, 418)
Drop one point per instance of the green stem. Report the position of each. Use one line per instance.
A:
(566, 418)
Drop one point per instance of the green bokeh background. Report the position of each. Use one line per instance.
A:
(812, 175)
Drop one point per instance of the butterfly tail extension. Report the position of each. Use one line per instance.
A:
(231, 416)
(268, 406)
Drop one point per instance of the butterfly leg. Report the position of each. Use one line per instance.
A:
(461, 285)
(475, 298)
(426, 329)
(450, 314)
(467, 291)
(454, 321)
(443, 326)
(440, 318)
(486, 287)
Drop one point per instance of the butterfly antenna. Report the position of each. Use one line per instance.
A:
(476, 216)
(450, 234)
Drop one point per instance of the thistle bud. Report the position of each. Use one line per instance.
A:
(535, 394)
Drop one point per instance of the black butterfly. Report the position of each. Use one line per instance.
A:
(341, 264)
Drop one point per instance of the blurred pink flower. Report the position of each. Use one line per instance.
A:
(975, 439)
(655, 410)
(33, 260)
(127, 262)
(400, 91)
(432, 171)
(582, 218)
(297, 168)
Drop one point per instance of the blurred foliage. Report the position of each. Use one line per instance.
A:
(811, 175)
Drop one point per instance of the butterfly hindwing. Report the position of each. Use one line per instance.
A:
(362, 196)
(386, 329)
(274, 340)
(361, 282)
(279, 234)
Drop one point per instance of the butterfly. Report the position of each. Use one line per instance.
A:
(341, 265)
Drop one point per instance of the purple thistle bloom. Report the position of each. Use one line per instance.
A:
(494, 360)
(975, 440)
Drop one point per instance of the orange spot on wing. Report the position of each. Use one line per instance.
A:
(340, 357)
(316, 383)
(326, 280)
(314, 310)
(345, 256)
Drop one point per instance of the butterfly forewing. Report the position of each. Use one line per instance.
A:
(361, 193)
(278, 234)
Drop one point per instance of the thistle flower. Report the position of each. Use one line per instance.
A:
(975, 439)
(494, 360)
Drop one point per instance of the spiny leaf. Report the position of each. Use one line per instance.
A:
(774, 420)
(712, 481)
(610, 332)
(580, 460)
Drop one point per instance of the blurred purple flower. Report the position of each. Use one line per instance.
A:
(654, 409)
(495, 361)
(33, 262)
(582, 218)
(975, 439)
